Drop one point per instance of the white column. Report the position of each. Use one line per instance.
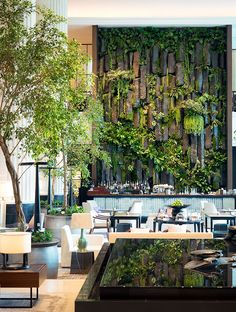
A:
(30, 20)
(60, 7)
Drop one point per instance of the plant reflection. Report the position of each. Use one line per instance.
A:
(160, 263)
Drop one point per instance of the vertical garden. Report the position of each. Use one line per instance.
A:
(164, 97)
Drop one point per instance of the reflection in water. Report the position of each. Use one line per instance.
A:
(164, 263)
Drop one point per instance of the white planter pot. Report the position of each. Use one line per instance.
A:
(55, 223)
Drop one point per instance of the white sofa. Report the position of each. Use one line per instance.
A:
(69, 244)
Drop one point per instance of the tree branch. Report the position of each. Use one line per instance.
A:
(24, 172)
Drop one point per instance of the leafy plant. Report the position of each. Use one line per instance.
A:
(45, 236)
(67, 211)
(177, 202)
(74, 209)
(119, 82)
(193, 119)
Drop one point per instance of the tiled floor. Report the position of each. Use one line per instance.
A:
(54, 295)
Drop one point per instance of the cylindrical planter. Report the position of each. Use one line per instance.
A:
(55, 223)
(46, 252)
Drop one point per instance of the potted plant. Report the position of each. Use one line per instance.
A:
(58, 217)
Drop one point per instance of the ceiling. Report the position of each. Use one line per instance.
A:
(153, 12)
(158, 11)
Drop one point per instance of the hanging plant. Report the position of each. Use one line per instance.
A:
(120, 82)
(193, 119)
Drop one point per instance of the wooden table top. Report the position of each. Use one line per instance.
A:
(32, 277)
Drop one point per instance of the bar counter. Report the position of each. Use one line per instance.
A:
(152, 203)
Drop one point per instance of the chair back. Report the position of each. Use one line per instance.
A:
(209, 208)
(86, 207)
(92, 204)
(136, 207)
(123, 227)
(82, 220)
(66, 237)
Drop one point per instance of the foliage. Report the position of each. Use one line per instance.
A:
(67, 211)
(177, 203)
(167, 156)
(140, 39)
(154, 131)
(193, 124)
(45, 236)
(142, 263)
(120, 82)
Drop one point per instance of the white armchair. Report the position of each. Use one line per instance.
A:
(69, 244)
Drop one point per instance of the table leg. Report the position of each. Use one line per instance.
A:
(159, 225)
(206, 224)
(154, 225)
(37, 293)
(116, 221)
(31, 298)
(211, 228)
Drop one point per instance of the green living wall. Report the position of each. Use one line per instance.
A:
(164, 97)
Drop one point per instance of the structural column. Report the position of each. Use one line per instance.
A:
(60, 7)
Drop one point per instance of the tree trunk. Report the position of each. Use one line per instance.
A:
(15, 183)
(65, 180)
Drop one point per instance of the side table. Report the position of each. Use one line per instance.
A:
(81, 262)
(29, 278)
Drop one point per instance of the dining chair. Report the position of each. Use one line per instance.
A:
(100, 219)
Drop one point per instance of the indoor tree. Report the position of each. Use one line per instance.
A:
(37, 67)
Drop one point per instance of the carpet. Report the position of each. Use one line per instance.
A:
(44, 303)
(64, 273)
